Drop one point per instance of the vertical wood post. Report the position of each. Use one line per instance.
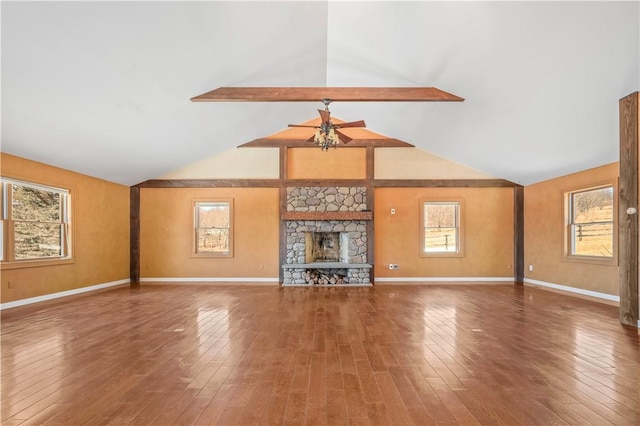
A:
(518, 235)
(283, 208)
(370, 175)
(134, 236)
(628, 199)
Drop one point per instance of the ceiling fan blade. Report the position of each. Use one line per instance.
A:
(324, 115)
(343, 138)
(303, 125)
(359, 123)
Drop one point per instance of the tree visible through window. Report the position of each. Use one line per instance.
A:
(213, 227)
(441, 227)
(591, 222)
(36, 218)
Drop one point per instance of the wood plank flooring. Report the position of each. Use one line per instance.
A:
(387, 355)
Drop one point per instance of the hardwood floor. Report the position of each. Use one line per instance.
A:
(171, 354)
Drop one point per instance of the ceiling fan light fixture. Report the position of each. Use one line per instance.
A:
(326, 140)
(326, 135)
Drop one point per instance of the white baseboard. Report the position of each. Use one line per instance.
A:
(575, 290)
(216, 280)
(442, 280)
(66, 293)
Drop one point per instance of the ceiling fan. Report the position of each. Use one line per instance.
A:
(327, 133)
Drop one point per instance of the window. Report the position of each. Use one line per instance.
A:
(35, 222)
(441, 228)
(213, 228)
(590, 223)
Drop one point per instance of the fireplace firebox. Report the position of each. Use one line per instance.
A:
(325, 247)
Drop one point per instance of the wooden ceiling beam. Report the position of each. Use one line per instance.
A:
(302, 143)
(316, 94)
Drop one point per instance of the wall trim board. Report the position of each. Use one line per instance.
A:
(60, 294)
(277, 183)
(212, 280)
(443, 183)
(443, 280)
(573, 290)
(304, 143)
(324, 182)
(210, 183)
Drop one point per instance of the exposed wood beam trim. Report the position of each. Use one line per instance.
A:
(282, 248)
(628, 198)
(443, 183)
(316, 94)
(370, 175)
(134, 236)
(273, 143)
(284, 161)
(370, 163)
(518, 235)
(210, 183)
(276, 183)
(302, 143)
(324, 182)
(282, 226)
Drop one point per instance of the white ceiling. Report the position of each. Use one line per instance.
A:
(103, 88)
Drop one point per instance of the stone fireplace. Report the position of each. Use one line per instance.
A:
(326, 241)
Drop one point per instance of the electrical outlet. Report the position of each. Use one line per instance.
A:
(393, 266)
(531, 267)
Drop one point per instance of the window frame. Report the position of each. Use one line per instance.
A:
(8, 258)
(459, 202)
(194, 228)
(567, 223)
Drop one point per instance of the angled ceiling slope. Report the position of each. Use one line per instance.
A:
(103, 88)
(299, 137)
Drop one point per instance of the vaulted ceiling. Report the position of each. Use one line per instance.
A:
(103, 88)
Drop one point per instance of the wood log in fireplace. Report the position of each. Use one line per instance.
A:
(324, 277)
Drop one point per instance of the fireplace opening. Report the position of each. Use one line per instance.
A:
(323, 247)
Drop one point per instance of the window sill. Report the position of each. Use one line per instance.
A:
(591, 260)
(18, 264)
(443, 254)
(212, 255)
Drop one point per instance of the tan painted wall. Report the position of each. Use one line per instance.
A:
(100, 224)
(488, 234)
(312, 163)
(166, 218)
(237, 163)
(338, 163)
(543, 224)
(414, 163)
